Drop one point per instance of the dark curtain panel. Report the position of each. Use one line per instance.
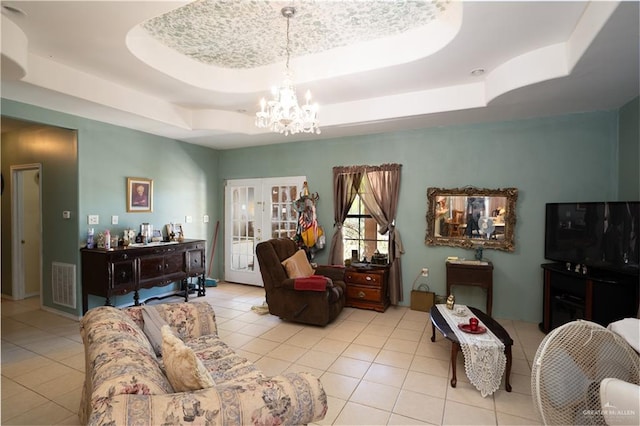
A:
(380, 191)
(346, 181)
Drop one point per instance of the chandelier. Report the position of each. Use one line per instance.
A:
(282, 114)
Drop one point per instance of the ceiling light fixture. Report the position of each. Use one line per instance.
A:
(283, 114)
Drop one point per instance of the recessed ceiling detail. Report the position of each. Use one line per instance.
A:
(89, 59)
(201, 30)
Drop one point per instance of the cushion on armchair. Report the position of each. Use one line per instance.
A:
(298, 266)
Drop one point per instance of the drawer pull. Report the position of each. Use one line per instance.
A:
(368, 278)
(159, 268)
(361, 294)
(125, 256)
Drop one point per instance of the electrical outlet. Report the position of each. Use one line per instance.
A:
(66, 214)
(93, 219)
(425, 272)
(188, 219)
(114, 220)
(205, 218)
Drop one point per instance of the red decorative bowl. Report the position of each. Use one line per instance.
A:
(467, 329)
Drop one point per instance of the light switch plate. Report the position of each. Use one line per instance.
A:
(205, 218)
(188, 219)
(66, 214)
(93, 219)
(114, 220)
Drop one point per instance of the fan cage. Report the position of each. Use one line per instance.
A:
(568, 367)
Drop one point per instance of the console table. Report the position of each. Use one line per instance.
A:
(367, 287)
(123, 270)
(476, 274)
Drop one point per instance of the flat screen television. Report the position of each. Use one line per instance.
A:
(604, 236)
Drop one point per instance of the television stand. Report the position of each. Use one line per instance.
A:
(599, 296)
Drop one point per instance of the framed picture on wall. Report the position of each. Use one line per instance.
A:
(139, 195)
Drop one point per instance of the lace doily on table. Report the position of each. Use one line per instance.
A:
(484, 358)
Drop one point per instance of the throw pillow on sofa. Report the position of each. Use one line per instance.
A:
(297, 266)
(184, 369)
(152, 327)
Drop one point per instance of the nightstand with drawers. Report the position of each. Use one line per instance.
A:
(368, 287)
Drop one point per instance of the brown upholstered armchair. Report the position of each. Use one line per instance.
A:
(305, 306)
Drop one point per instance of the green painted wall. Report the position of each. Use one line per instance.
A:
(184, 178)
(629, 180)
(567, 158)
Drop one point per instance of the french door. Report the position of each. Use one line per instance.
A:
(256, 210)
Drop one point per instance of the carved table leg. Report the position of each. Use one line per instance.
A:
(185, 286)
(507, 372)
(433, 332)
(136, 298)
(202, 291)
(455, 347)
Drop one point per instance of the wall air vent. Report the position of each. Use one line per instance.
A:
(63, 284)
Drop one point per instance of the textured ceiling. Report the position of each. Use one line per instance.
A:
(201, 30)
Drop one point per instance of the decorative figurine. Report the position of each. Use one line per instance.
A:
(479, 253)
(451, 301)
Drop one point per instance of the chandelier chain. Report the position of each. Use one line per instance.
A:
(288, 43)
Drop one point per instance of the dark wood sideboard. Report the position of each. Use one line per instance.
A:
(108, 273)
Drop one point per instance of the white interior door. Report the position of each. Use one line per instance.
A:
(256, 209)
(27, 231)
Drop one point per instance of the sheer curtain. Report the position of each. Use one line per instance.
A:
(379, 189)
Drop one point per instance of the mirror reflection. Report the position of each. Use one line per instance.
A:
(467, 217)
(471, 217)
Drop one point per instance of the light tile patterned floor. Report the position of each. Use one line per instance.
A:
(377, 368)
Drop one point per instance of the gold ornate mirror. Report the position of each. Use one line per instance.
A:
(470, 217)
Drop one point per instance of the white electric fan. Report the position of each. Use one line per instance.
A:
(486, 226)
(568, 367)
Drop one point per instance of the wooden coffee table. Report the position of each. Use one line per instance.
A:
(439, 322)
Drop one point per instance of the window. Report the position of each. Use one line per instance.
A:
(360, 233)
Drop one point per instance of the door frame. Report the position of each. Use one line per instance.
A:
(17, 230)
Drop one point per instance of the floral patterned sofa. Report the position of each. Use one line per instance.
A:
(126, 383)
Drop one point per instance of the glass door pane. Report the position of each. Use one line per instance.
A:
(243, 213)
(284, 217)
(243, 217)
